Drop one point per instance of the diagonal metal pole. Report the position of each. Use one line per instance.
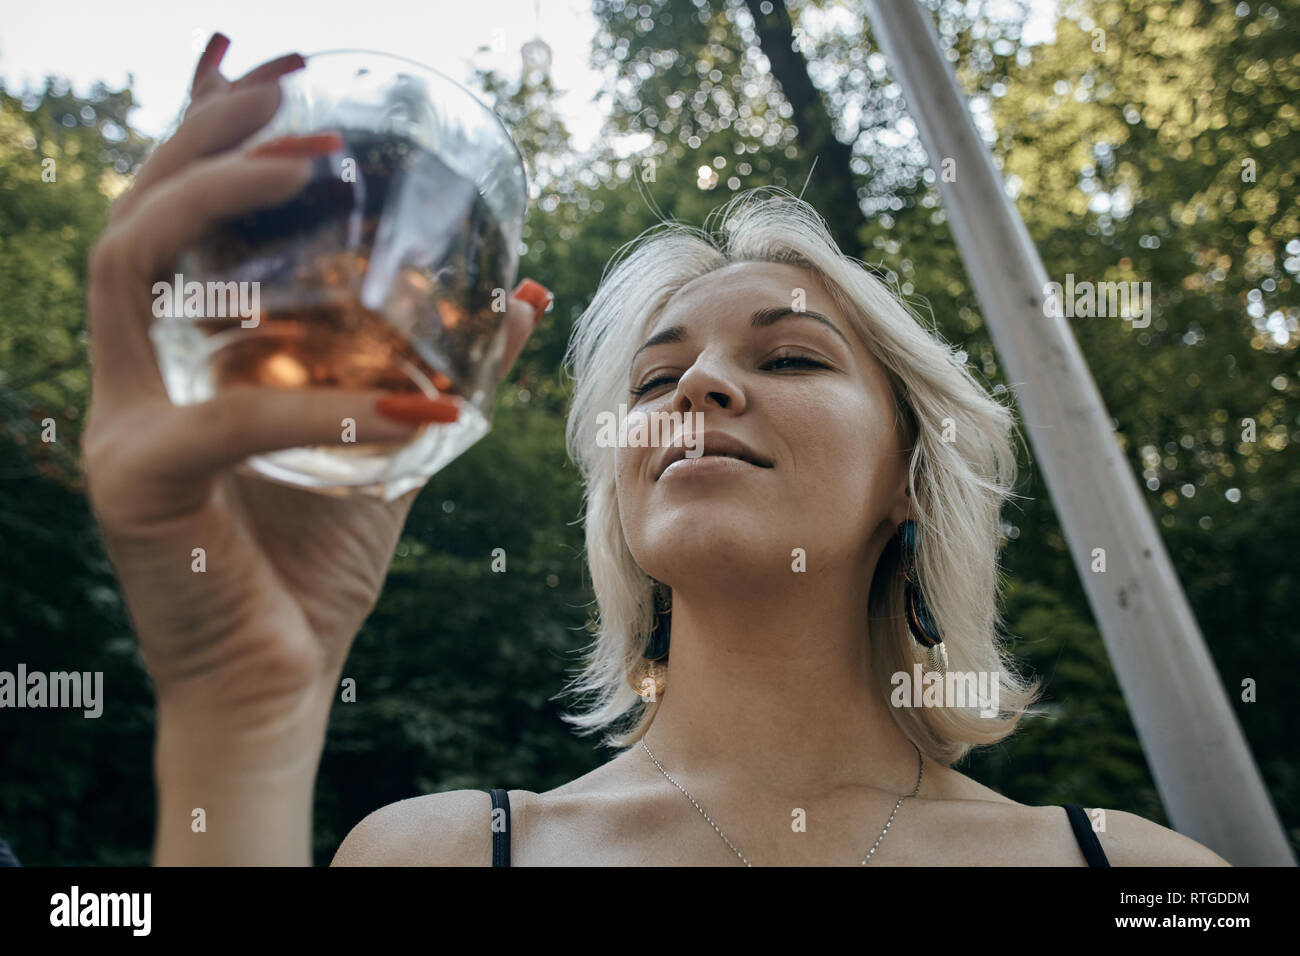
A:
(1202, 765)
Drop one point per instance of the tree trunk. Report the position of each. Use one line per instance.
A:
(832, 190)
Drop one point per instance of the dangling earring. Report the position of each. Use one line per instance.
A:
(919, 619)
(649, 679)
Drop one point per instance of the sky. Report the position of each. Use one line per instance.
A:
(159, 42)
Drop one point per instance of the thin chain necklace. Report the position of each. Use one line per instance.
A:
(920, 771)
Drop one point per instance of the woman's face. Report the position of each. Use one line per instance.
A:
(799, 395)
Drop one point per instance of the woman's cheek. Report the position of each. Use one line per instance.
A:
(629, 465)
(631, 484)
(841, 442)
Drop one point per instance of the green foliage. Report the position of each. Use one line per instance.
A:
(1146, 182)
(457, 668)
(75, 790)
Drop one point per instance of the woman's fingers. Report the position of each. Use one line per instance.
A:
(192, 442)
(200, 440)
(524, 310)
(207, 77)
(219, 123)
(173, 216)
(155, 456)
(271, 70)
(208, 80)
(135, 253)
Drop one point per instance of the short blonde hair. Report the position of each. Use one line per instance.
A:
(957, 487)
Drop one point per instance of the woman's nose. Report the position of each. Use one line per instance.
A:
(708, 385)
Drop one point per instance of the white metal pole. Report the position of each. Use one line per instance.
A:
(1202, 765)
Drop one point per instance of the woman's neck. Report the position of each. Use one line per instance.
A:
(775, 689)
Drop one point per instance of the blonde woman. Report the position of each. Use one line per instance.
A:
(793, 595)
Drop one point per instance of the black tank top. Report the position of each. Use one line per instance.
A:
(1079, 823)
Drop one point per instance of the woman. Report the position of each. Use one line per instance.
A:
(829, 420)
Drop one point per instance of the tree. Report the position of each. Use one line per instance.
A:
(75, 789)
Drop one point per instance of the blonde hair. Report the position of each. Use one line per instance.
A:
(957, 487)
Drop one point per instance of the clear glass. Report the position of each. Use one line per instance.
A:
(389, 270)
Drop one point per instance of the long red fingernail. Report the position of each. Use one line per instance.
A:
(212, 55)
(288, 63)
(218, 43)
(418, 410)
(310, 144)
(536, 295)
(280, 66)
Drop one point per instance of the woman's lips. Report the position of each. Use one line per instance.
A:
(712, 445)
(707, 465)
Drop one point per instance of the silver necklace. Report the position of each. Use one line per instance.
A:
(920, 771)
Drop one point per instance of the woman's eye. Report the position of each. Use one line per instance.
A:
(654, 383)
(794, 361)
(780, 362)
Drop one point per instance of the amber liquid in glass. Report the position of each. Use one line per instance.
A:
(386, 271)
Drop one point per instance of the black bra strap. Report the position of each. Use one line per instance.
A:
(501, 838)
(1087, 837)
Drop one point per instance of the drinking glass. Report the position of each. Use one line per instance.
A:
(389, 270)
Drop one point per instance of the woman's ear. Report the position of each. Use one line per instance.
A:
(902, 509)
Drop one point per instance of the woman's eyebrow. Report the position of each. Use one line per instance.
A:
(766, 317)
(674, 333)
(760, 319)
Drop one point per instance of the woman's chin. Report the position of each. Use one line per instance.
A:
(708, 541)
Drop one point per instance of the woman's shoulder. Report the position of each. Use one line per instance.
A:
(454, 828)
(437, 829)
(1131, 840)
(1126, 838)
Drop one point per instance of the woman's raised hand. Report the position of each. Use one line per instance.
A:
(243, 632)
